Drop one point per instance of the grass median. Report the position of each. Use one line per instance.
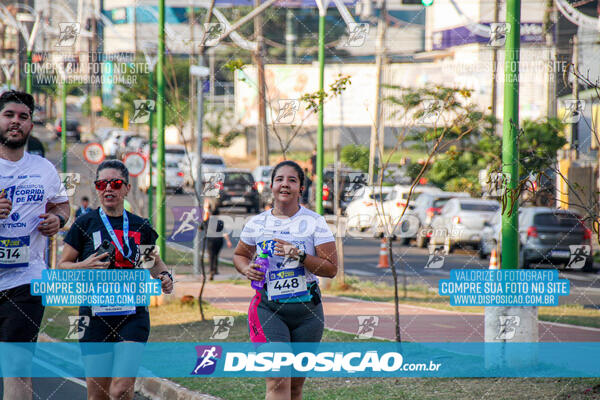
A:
(420, 295)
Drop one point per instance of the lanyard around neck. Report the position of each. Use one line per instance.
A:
(112, 234)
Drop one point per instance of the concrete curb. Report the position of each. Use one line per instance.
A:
(162, 388)
(154, 388)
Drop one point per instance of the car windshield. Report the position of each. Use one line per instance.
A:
(479, 207)
(212, 161)
(172, 164)
(439, 203)
(378, 196)
(239, 177)
(266, 173)
(72, 125)
(558, 219)
(175, 151)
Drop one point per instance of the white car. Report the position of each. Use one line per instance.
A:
(395, 203)
(173, 177)
(115, 141)
(210, 164)
(461, 222)
(361, 212)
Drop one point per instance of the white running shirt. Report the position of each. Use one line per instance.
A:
(30, 183)
(306, 230)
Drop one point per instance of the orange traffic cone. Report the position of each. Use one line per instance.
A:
(494, 260)
(383, 255)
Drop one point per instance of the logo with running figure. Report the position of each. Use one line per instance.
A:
(579, 255)
(187, 220)
(77, 326)
(69, 32)
(366, 326)
(507, 326)
(223, 324)
(207, 359)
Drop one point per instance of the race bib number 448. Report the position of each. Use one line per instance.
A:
(14, 252)
(285, 283)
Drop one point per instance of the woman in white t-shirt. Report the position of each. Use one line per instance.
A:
(300, 247)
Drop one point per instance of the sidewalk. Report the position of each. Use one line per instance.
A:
(417, 324)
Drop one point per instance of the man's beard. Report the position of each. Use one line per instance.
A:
(13, 144)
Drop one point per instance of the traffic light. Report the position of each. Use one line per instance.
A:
(427, 3)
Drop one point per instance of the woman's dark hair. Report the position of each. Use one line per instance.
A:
(289, 163)
(114, 164)
(13, 96)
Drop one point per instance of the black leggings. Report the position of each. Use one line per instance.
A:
(214, 247)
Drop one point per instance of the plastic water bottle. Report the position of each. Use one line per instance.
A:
(263, 261)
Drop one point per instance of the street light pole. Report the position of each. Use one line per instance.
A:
(319, 183)
(510, 151)
(160, 128)
(150, 54)
(151, 150)
(200, 72)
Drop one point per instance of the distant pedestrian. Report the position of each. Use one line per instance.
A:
(84, 208)
(215, 237)
(313, 162)
(34, 146)
(307, 184)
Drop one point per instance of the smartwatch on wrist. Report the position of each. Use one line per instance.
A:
(62, 221)
(301, 255)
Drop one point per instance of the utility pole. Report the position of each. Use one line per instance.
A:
(93, 67)
(495, 63)
(262, 148)
(377, 134)
(320, 128)
(527, 329)
(192, 57)
(575, 92)
(160, 129)
(510, 151)
(550, 18)
(290, 36)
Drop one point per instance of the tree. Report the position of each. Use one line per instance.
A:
(356, 156)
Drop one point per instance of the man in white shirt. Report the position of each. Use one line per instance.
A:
(33, 206)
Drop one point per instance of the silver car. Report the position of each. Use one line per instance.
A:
(461, 222)
(546, 236)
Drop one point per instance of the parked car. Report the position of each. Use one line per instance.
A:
(114, 144)
(210, 163)
(262, 177)
(461, 222)
(361, 213)
(394, 206)
(135, 144)
(352, 182)
(491, 235)
(73, 129)
(175, 152)
(426, 207)
(547, 234)
(173, 177)
(103, 133)
(237, 189)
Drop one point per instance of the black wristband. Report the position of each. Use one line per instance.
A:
(62, 220)
(302, 256)
(168, 274)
